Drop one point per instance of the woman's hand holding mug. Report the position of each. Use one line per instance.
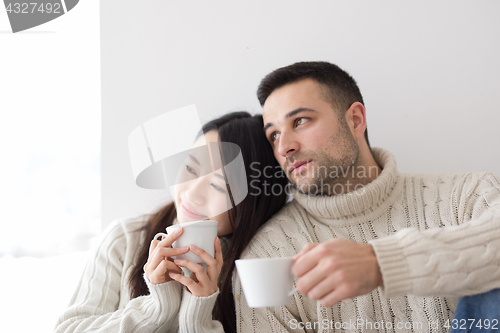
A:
(201, 283)
(160, 263)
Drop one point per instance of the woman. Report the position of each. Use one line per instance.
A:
(129, 286)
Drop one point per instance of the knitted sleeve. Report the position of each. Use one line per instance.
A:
(96, 301)
(195, 314)
(462, 259)
(268, 243)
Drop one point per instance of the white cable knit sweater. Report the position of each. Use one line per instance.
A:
(436, 237)
(101, 302)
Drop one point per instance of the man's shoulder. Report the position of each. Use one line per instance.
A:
(273, 238)
(461, 188)
(283, 218)
(450, 178)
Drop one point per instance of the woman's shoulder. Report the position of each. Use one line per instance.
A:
(124, 228)
(126, 224)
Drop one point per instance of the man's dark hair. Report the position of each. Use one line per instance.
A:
(340, 88)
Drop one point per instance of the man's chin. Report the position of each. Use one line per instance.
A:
(306, 187)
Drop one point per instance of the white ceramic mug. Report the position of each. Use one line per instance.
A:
(199, 233)
(266, 281)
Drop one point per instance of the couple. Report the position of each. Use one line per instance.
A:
(374, 250)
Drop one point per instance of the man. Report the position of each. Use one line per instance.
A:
(374, 250)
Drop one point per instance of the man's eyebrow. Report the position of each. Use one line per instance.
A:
(194, 159)
(290, 115)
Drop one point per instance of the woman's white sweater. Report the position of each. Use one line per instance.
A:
(101, 302)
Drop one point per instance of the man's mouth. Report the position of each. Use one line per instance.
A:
(298, 166)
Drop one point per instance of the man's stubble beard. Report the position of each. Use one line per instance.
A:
(330, 176)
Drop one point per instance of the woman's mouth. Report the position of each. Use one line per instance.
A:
(191, 213)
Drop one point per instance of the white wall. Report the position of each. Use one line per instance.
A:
(428, 72)
(49, 171)
(50, 98)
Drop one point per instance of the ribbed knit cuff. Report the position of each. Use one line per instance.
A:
(394, 268)
(195, 314)
(166, 297)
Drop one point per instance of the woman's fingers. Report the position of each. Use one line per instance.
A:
(218, 252)
(159, 274)
(201, 275)
(207, 258)
(170, 252)
(214, 265)
(159, 262)
(160, 253)
(202, 283)
(193, 287)
(153, 245)
(159, 250)
(167, 241)
(214, 271)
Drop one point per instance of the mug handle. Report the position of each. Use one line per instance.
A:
(160, 234)
(293, 291)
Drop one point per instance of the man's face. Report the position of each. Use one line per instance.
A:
(314, 147)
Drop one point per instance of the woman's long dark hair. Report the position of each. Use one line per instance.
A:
(266, 196)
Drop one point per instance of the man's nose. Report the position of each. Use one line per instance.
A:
(288, 144)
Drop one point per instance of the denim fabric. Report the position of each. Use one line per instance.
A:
(477, 313)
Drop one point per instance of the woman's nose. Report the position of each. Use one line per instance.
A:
(196, 190)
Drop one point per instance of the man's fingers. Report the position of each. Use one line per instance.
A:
(320, 290)
(310, 281)
(305, 249)
(308, 260)
(336, 296)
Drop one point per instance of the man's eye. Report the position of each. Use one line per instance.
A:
(190, 170)
(274, 136)
(300, 121)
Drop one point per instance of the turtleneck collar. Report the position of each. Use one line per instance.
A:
(362, 204)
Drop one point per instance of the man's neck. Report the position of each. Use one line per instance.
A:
(359, 174)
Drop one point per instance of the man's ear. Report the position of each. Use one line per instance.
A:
(355, 117)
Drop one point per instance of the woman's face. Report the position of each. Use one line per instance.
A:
(200, 193)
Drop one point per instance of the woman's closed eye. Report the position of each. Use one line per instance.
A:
(218, 188)
(191, 170)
